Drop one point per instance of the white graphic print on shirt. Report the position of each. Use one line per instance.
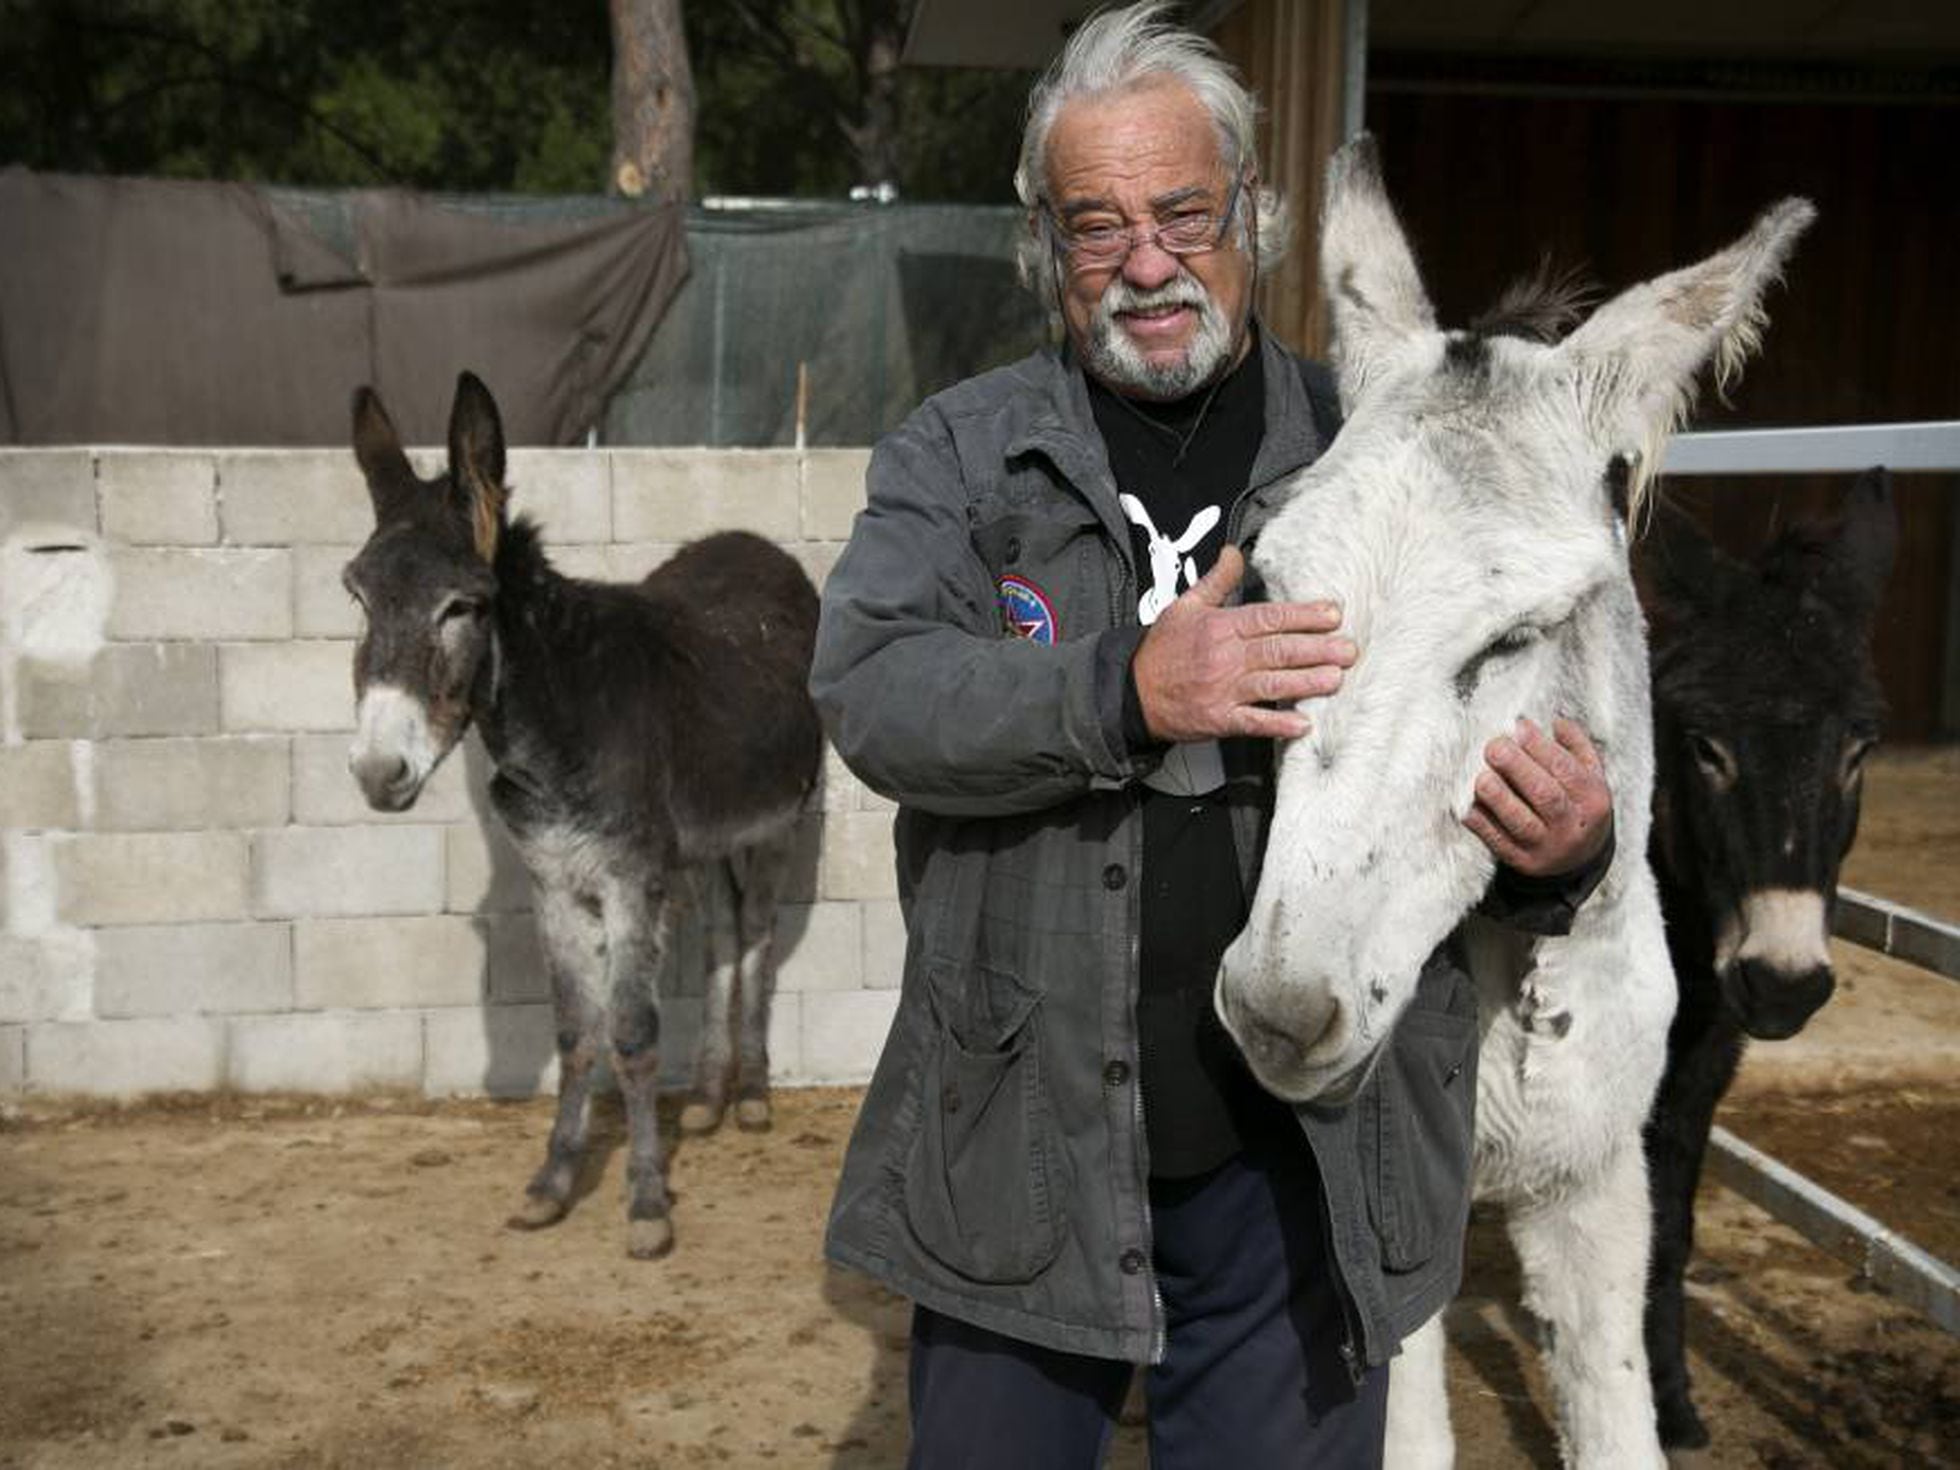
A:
(1195, 768)
(1168, 559)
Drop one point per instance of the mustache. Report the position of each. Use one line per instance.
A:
(1178, 291)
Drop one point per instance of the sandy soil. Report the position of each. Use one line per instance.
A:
(278, 1282)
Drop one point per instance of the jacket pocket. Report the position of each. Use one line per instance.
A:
(1044, 561)
(1418, 1117)
(980, 1189)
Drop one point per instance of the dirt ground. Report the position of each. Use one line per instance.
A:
(278, 1282)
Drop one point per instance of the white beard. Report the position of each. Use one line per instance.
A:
(1113, 358)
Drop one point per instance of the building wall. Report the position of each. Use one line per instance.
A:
(193, 894)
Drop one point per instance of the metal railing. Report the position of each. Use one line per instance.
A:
(1881, 1255)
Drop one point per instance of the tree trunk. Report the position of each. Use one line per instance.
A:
(652, 101)
(873, 133)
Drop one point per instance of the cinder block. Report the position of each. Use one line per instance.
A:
(679, 494)
(844, 1032)
(178, 784)
(325, 1051)
(884, 944)
(505, 1051)
(46, 978)
(124, 1058)
(587, 563)
(381, 964)
(568, 492)
(329, 872)
(13, 1060)
(806, 858)
(286, 686)
(127, 689)
(833, 491)
(486, 876)
(27, 882)
(285, 497)
(322, 606)
(325, 793)
(817, 558)
(47, 486)
(838, 789)
(631, 561)
(37, 785)
(517, 972)
(177, 969)
(857, 856)
(202, 593)
(786, 1051)
(150, 877)
(822, 947)
(158, 497)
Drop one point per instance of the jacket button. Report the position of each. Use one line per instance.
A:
(950, 1099)
(1132, 1261)
(1013, 550)
(1116, 1073)
(1114, 877)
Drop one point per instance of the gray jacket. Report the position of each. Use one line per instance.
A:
(997, 1172)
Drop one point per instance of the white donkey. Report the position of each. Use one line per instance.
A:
(1468, 521)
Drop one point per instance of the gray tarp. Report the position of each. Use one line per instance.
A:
(882, 304)
(158, 312)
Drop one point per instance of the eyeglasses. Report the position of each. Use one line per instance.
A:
(1103, 247)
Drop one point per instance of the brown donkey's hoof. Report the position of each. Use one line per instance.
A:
(648, 1240)
(752, 1115)
(536, 1212)
(700, 1117)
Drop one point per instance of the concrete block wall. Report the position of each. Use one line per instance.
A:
(193, 894)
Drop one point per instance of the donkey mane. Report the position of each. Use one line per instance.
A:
(1541, 307)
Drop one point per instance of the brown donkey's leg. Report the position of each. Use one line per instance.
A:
(636, 939)
(574, 953)
(760, 880)
(715, 899)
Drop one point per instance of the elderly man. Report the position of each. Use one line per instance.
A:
(1034, 644)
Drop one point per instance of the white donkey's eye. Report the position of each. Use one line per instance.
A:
(1512, 640)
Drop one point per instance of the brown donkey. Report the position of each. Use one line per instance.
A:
(650, 741)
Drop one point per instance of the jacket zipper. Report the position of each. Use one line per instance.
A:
(1350, 1349)
(1123, 587)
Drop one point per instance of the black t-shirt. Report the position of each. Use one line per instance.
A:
(1185, 463)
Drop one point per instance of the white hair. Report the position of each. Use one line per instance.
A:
(1111, 52)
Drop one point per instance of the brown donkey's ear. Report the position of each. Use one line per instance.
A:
(1868, 542)
(378, 451)
(476, 461)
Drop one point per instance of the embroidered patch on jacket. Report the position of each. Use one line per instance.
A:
(1028, 611)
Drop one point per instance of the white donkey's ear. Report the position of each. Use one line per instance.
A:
(1367, 270)
(1637, 356)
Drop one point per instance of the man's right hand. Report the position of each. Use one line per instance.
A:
(1206, 670)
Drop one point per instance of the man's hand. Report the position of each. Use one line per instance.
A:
(1205, 669)
(1543, 806)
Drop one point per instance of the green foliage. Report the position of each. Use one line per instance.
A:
(783, 82)
(483, 95)
(435, 94)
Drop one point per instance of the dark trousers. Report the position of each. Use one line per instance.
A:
(1252, 1375)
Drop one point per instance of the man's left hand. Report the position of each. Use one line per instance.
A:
(1543, 806)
